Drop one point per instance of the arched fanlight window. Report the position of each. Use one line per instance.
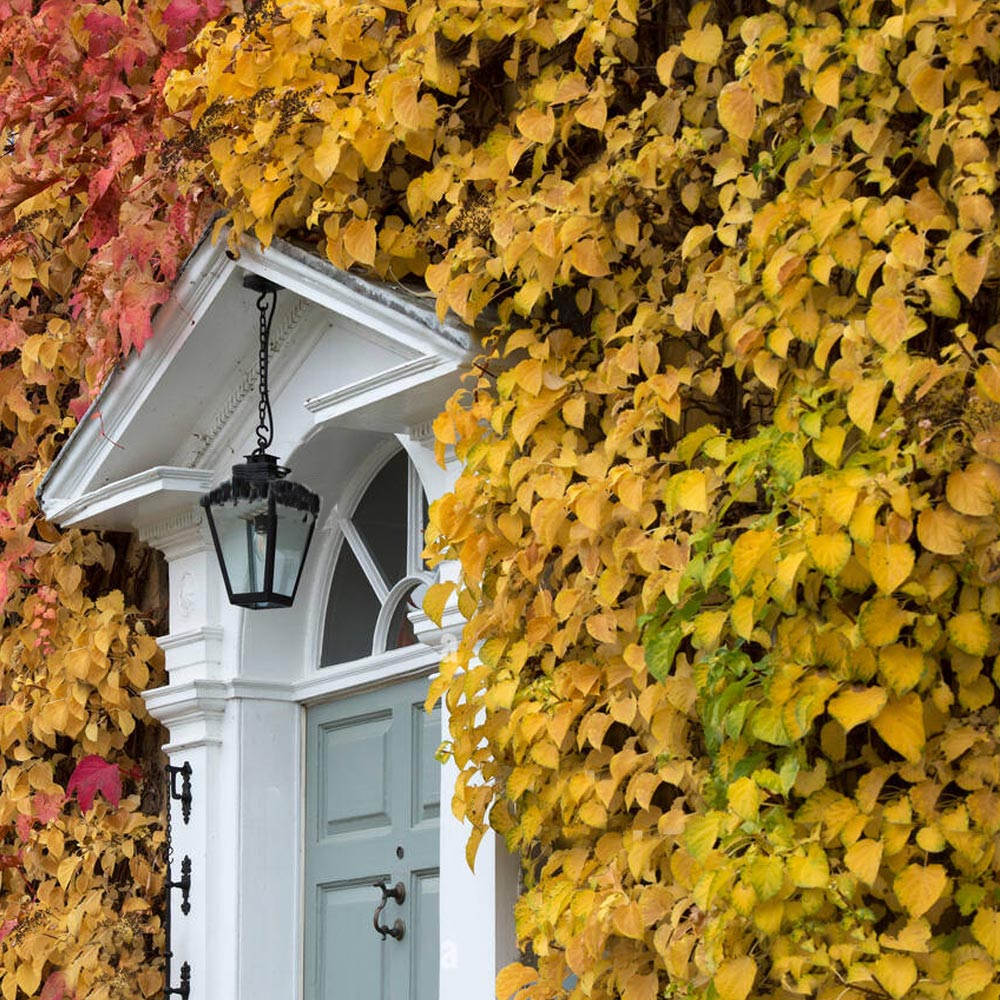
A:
(379, 576)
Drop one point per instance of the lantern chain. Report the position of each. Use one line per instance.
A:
(265, 424)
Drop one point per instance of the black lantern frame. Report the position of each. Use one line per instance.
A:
(261, 522)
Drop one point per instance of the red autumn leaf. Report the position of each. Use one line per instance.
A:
(122, 150)
(7, 926)
(47, 807)
(92, 775)
(105, 30)
(184, 17)
(23, 826)
(55, 987)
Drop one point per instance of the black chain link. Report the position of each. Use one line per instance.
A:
(265, 425)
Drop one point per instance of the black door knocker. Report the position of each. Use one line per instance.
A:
(398, 893)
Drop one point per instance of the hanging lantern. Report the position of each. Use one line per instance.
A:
(261, 521)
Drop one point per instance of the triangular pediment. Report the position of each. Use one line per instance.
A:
(345, 352)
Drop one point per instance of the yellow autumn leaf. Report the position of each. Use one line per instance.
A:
(862, 402)
(326, 155)
(901, 725)
(359, 240)
(826, 86)
(853, 707)
(701, 833)
(863, 858)
(829, 552)
(734, 979)
(881, 620)
(537, 124)
(513, 978)
(974, 490)
(919, 887)
(687, 491)
(901, 667)
(743, 616)
(940, 530)
(890, 564)
(925, 83)
(738, 110)
(886, 320)
(436, 599)
(592, 113)
(896, 974)
(744, 798)
(971, 978)
(703, 44)
(968, 271)
(970, 632)
(811, 870)
(588, 258)
(749, 550)
(986, 930)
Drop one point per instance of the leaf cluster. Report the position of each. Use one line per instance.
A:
(92, 232)
(726, 535)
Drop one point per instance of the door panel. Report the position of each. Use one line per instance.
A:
(359, 747)
(372, 807)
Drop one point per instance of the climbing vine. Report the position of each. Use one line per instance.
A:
(92, 232)
(726, 531)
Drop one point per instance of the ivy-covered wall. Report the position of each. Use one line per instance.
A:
(727, 526)
(92, 231)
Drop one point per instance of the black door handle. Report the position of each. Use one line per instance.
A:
(397, 893)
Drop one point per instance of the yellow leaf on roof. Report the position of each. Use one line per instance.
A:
(359, 240)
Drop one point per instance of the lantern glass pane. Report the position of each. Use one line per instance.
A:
(242, 531)
(293, 531)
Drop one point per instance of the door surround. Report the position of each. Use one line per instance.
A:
(355, 359)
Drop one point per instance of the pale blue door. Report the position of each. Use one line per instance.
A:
(372, 806)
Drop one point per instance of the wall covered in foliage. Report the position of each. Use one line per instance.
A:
(727, 526)
(91, 235)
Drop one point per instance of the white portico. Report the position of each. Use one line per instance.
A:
(311, 757)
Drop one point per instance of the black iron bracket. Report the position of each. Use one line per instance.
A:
(179, 790)
(184, 989)
(184, 884)
(184, 795)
